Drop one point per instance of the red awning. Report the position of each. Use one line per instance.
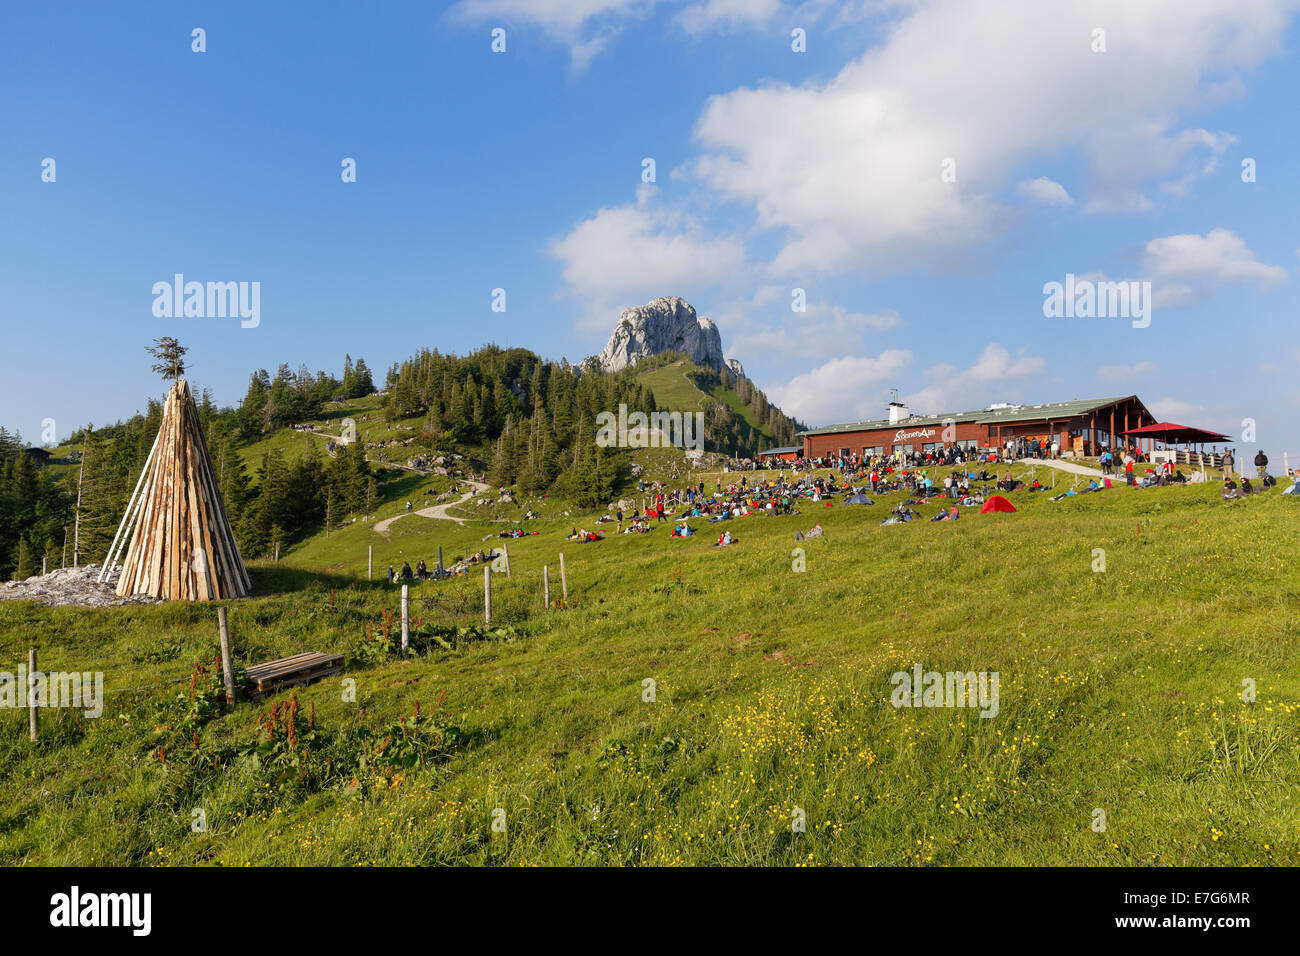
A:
(1172, 434)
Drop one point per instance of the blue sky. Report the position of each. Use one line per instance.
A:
(775, 170)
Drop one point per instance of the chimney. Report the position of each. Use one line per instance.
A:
(897, 410)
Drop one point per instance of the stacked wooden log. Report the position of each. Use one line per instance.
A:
(183, 548)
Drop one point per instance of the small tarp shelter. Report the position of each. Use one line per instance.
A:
(182, 547)
(997, 503)
(858, 499)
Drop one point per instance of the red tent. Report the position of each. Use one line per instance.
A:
(997, 503)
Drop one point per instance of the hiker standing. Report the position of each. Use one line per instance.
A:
(1227, 463)
(1261, 464)
(391, 574)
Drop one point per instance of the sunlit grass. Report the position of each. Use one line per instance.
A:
(1120, 691)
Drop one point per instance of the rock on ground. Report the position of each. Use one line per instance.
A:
(74, 587)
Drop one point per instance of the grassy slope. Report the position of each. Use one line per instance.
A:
(673, 390)
(293, 443)
(1119, 691)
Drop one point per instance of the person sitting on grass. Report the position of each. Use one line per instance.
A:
(406, 571)
(724, 539)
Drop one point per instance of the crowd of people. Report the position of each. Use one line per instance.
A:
(949, 478)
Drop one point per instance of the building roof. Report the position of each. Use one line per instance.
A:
(1169, 433)
(1013, 413)
(790, 450)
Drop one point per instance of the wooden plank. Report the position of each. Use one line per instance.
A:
(291, 663)
(296, 670)
(182, 513)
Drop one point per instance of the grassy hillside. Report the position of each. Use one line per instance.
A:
(674, 390)
(293, 443)
(1120, 691)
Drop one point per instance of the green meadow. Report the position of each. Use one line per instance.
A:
(690, 704)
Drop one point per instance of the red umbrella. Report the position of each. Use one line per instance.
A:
(997, 503)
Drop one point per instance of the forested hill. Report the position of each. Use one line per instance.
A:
(524, 420)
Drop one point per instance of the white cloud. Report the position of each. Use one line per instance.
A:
(1125, 373)
(625, 255)
(586, 27)
(1176, 410)
(848, 171)
(589, 27)
(1219, 255)
(1216, 418)
(996, 371)
(852, 388)
(1046, 191)
(821, 330)
(709, 15)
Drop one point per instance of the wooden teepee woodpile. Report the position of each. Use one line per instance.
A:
(183, 548)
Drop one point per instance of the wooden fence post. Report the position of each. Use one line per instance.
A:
(45, 565)
(487, 593)
(505, 552)
(564, 582)
(227, 665)
(440, 572)
(33, 714)
(277, 551)
(370, 562)
(406, 614)
(546, 588)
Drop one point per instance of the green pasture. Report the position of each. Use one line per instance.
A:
(688, 704)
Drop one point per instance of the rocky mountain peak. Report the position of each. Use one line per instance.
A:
(664, 324)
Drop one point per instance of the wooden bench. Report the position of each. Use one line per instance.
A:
(293, 671)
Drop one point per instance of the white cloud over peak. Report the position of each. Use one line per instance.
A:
(824, 329)
(625, 255)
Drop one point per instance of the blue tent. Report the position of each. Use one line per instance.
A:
(858, 499)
